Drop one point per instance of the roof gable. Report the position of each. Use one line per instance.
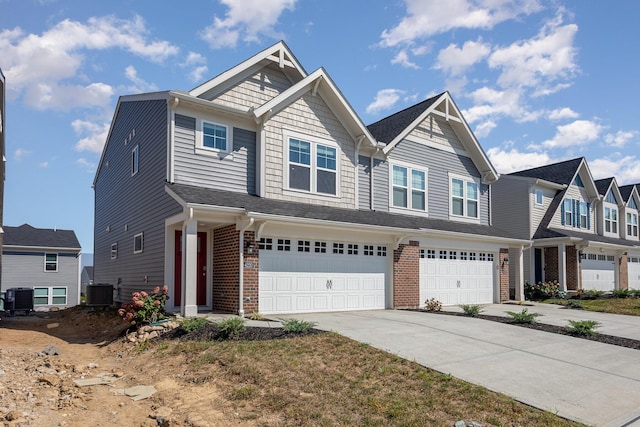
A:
(629, 191)
(566, 173)
(318, 83)
(609, 190)
(28, 236)
(396, 127)
(278, 53)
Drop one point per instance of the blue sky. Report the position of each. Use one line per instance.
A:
(538, 81)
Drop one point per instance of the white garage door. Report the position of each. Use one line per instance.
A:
(456, 276)
(598, 272)
(634, 272)
(298, 276)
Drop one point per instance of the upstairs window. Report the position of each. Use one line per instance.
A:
(584, 215)
(578, 181)
(313, 167)
(51, 262)
(464, 198)
(632, 224)
(611, 220)
(214, 136)
(138, 243)
(409, 188)
(633, 204)
(611, 198)
(567, 207)
(538, 196)
(135, 160)
(575, 213)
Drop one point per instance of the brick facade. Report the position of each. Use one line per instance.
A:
(551, 264)
(406, 276)
(226, 257)
(573, 269)
(251, 273)
(504, 266)
(624, 272)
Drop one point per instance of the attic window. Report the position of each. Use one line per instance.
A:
(578, 181)
(611, 198)
(633, 204)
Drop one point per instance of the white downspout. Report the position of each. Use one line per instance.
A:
(241, 271)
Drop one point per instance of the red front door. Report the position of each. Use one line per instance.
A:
(201, 272)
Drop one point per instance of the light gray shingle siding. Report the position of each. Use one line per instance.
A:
(364, 182)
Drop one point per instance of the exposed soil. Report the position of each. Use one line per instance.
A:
(603, 338)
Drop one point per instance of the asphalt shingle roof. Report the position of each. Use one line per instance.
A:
(560, 173)
(603, 185)
(206, 196)
(385, 130)
(26, 235)
(626, 190)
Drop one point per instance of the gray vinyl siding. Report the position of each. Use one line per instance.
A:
(439, 164)
(364, 182)
(126, 205)
(380, 185)
(234, 171)
(510, 207)
(25, 269)
(576, 193)
(538, 211)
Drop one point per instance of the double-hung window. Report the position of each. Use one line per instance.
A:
(214, 136)
(51, 262)
(584, 214)
(313, 167)
(409, 188)
(568, 212)
(611, 220)
(50, 296)
(632, 224)
(464, 198)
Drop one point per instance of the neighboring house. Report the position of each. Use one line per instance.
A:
(578, 225)
(86, 278)
(47, 260)
(3, 161)
(628, 213)
(262, 190)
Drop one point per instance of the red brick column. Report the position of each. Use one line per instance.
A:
(504, 264)
(251, 270)
(226, 258)
(551, 264)
(624, 272)
(406, 276)
(573, 269)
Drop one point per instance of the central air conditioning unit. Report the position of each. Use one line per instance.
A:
(18, 299)
(99, 295)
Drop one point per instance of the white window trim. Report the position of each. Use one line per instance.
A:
(409, 167)
(611, 221)
(584, 205)
(535, 196)
(465, 179)
(50, 295)
(209, 151)
(314, 141)
(141, 236)
(114, 250)
(634, 227)
(135, 160)
(45, 262)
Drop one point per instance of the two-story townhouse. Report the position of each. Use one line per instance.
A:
(573, 222)
(45, 260)
(629, 212)
(262, 190)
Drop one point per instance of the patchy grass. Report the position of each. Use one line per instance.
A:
(628, 306)
(327, 379)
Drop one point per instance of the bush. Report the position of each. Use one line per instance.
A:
(193, 324)
(232, 327)
(592, 294)
(621, 293)
(523, 317)
(582, 328)
(471, 309)
(575, 304)
(144, 307)
(433, 305)
(256, 316)
(543, 290)
(296, 326)
(635, 293)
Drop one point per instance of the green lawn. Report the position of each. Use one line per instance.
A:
(629, 306)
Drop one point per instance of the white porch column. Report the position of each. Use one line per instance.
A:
(519, 273)
(189, 306)
(562, 266)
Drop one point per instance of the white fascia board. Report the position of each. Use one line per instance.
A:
(591, 184)
(604, 245)
(41, 248)
(556, 240)
(275, 50)
(536, 181)
(476, 237)
(209, 105)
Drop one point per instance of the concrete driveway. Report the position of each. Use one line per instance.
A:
(594, 383)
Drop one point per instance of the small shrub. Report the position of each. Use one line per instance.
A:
(193, 324)
(582, 328)
(144, 307)
(575, 304)
(635, 293)
(232, 326)
(472, 310)
(256, 316)
(523, 317)
(621, 293)
(433, 305)
(592, 294)
(543, 290)
(296, 326)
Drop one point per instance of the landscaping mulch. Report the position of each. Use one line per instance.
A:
(211, 332)
(603, 338)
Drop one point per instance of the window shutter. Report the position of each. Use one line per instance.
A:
(562, 217)
(588, 216)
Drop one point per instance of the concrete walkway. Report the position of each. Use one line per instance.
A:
(597, 384)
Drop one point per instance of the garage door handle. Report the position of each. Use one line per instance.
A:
(458, 283)
(329, 284)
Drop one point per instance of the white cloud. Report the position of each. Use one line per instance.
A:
(540, 61)
(454, 60)
(198, 64)
(492, 103)
(94, 135)
(385, 99)
(402, 58)
(40, 65)
(624, 168)
(620, 138)
(139, 84)
(20, 153)
(562, 113)
(43, 164)
(511, 160)
(427, 18)
(574, 134)
(485, 128)
(245, 20)
(87, 165)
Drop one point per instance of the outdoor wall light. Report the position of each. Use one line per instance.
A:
(249, 247)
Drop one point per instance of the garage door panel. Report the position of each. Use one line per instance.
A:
(633, 265)
(283, 284)
(303, 284)
(598, 272)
